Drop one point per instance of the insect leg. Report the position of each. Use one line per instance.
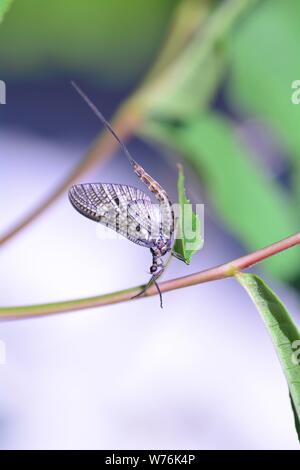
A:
(154, 280)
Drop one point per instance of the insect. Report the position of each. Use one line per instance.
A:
(128, 210)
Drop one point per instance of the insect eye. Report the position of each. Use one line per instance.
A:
(153, 269)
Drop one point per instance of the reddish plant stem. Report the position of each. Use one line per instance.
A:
(219, 272)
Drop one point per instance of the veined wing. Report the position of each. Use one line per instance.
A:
(108, 204)
(93, 199)
(155, 218)
(148, 217)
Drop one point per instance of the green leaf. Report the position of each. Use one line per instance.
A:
(188, 234)
(296, 417)
(254, 207)
(4, 5)
(283, 331)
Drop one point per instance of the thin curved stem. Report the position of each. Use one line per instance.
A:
(213, 274)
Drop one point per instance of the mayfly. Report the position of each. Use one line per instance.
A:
(128, 210)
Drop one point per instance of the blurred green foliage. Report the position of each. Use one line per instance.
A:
(108, 40)
(260, 63)
(256, 208)
(265, 62)
(191, 79)
(4, 5)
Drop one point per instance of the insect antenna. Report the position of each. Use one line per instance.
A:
(100, 116)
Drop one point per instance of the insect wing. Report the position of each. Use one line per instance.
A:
(108, 204)
(148, 218)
